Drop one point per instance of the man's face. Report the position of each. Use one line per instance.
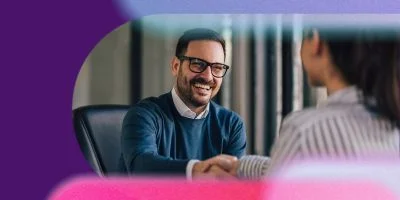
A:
(311, 57)
(197, 89)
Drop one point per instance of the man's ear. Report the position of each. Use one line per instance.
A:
(175, 64)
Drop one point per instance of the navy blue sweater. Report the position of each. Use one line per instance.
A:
(156, 139)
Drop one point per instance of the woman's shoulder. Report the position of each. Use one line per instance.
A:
(308, 117)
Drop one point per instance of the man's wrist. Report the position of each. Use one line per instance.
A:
(189, 169)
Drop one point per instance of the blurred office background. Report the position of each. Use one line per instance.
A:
(265, 82)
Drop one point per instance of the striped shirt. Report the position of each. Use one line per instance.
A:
(341, 127)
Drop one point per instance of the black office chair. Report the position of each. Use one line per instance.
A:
(98, 130)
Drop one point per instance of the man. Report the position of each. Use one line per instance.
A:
(171, 133)
(360, 118)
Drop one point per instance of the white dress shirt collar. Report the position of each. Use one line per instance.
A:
(184, 111)
(348, 95)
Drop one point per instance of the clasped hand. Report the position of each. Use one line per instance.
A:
(221, 167)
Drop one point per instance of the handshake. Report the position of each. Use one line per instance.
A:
(221, 167)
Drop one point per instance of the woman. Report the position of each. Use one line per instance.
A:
(360, 119)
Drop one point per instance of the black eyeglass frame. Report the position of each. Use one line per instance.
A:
(190, 59)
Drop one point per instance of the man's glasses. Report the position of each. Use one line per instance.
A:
(198, 65)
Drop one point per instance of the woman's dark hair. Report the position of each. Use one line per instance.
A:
(370, 59)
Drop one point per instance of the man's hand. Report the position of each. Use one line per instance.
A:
(218, 167)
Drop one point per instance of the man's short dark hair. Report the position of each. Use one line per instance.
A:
(197, 34)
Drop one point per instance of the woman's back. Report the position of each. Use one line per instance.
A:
(342, 127)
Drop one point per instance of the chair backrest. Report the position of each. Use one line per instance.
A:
(98, 130)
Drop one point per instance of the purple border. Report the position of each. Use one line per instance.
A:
(44, 45)
(149, 7)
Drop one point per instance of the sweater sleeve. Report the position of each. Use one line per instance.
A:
(139, 147)
(237, 138)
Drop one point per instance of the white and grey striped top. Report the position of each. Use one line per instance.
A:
(339, 128)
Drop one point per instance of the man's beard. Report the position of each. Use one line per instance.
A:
(184, 88)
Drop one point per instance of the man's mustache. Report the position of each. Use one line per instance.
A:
(202, 81)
